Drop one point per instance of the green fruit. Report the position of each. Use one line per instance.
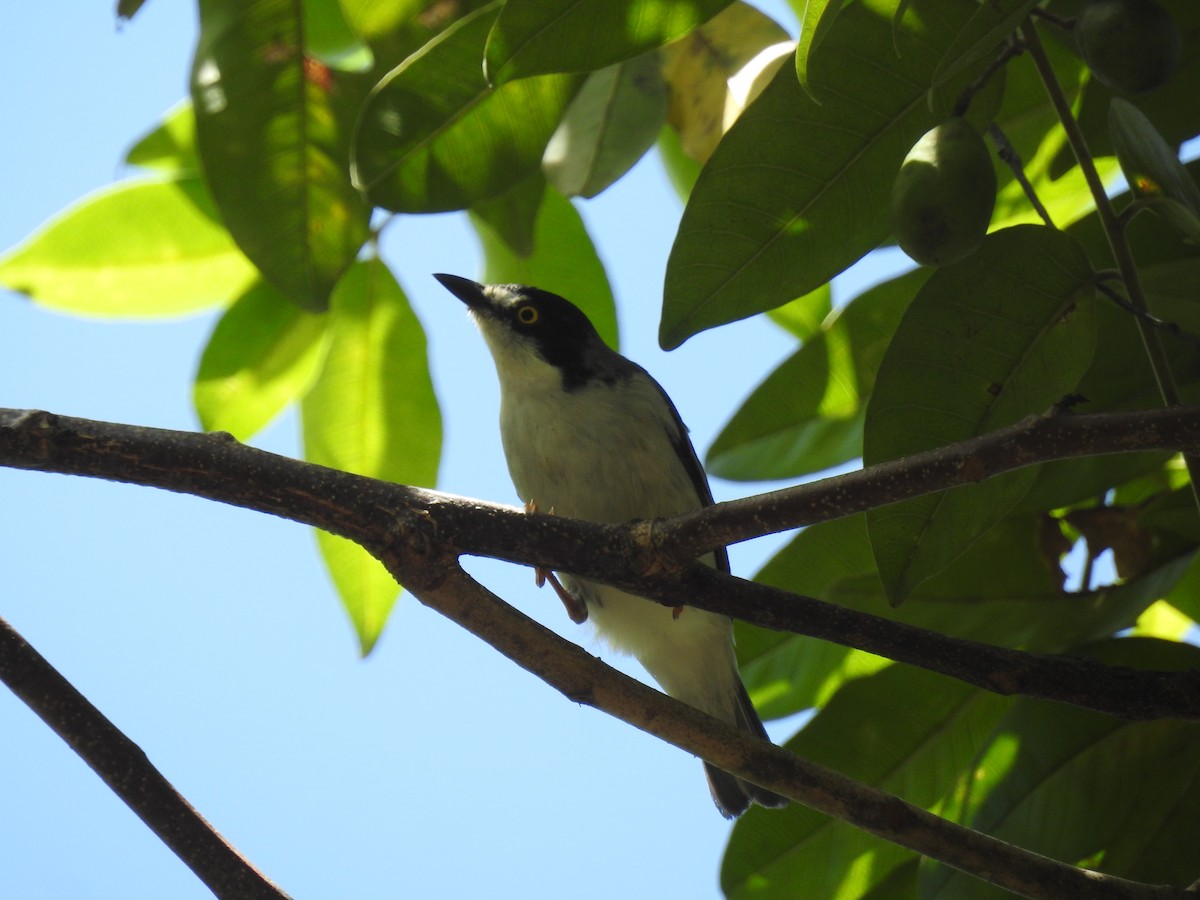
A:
(944, 194)
(1130, 45)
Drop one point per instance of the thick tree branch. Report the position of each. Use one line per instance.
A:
(125, 768)
(420, 535)
(443, 585)
(643, 557)
(1036, 439)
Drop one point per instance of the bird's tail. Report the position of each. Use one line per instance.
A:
(733, 795)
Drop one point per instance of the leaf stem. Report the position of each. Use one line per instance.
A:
(1117, 240)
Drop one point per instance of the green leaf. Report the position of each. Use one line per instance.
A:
(1031, 124)
(808, 414)
(1005, 333)
(816, 17)
(980, 39)
(681, 168)
(271, 126)
(1002, 590)
(716, 71)
(1036, 785)
(534, 37)
(613, 120)
(798, 191)
(330, 39)
(379, 22)
(1150, 164)
(171, 147)
(1174, 108)
(802, 317)
(139, 249)
(922, 731)
(372, 411)
(787, 673)
(513, 214)
(263, 354)
(434, 136)
(564, 261)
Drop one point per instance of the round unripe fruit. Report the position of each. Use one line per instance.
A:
(944, 194)
(1130, 45)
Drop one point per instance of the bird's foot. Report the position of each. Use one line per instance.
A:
(576, 609)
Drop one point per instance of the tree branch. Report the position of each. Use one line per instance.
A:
(654, 559)
(420, 534)
(123, 766)
(435, 578)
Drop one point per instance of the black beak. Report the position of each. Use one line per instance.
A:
(466, 290)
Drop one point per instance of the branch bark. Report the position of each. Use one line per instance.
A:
(654, 559)
(125, 768)
(420, 534)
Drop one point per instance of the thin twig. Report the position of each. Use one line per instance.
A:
(1008, 153)
(1171, 328)
(1012, 48)
(1117, 240)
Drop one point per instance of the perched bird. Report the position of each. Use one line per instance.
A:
(590, 435)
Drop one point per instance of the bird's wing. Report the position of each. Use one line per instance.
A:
(691, 462)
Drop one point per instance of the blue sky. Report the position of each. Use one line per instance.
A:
(211, 635)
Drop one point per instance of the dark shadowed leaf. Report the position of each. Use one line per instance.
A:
(816, 18)
(273, 146)
(434, 136)
(922, 730)
(1153, 169)
(1001, 335)
(1036, 785)
(797, 191)
(981, 38)
(534, 37)
(512, 216)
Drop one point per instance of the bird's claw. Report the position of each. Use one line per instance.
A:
(576, 609)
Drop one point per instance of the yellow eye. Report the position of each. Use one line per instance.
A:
(527, 315)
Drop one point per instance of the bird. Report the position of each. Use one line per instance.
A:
(589, 434)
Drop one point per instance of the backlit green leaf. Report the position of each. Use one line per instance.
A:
(171, 147)
(263, 354)
(372, 411)
(802, 317)
(139, 249)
